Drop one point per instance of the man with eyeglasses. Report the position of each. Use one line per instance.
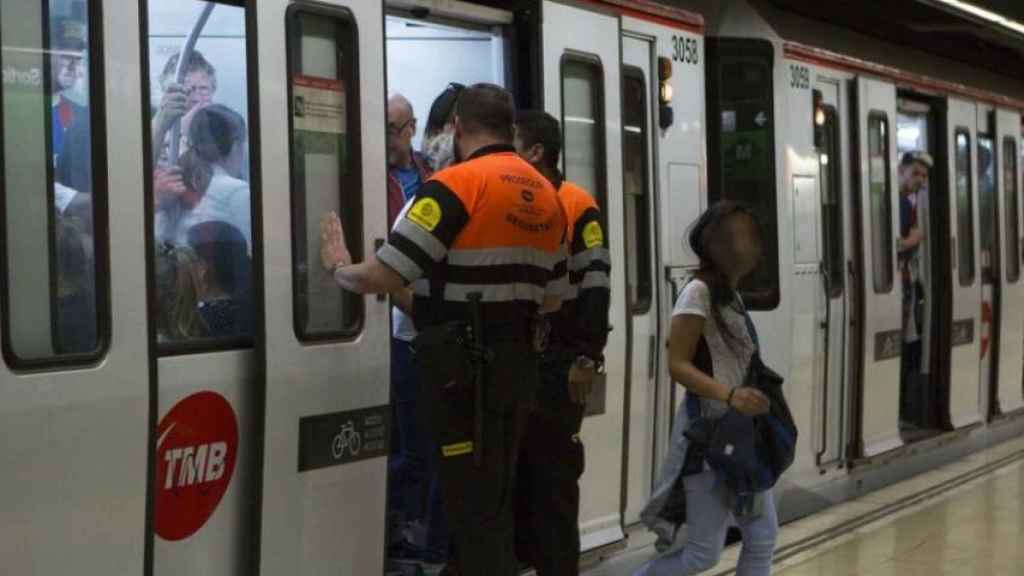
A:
(408, 478)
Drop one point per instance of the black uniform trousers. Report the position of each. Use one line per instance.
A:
(550, 465)
(479, 502)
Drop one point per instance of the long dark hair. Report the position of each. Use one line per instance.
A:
(707, 234)
(213, 132)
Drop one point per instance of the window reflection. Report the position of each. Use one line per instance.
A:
(52, 298)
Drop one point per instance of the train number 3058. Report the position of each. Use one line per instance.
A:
(799, 77)
(685, 50)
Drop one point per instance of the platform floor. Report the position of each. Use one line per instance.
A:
(974, 529)
(979, 531)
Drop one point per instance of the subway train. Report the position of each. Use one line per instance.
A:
(132, 441)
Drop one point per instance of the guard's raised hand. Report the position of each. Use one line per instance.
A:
(333, 250)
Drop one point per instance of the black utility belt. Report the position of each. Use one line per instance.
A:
(533, 333)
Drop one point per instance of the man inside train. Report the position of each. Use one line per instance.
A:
(198, 89)
(71, 136)
(423, 533)
(408, 478)
(913, 174)
(72, 156)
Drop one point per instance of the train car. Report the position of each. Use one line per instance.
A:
(258, 444)
(178, 402)
(809, 123)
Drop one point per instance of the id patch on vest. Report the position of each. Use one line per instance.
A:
(425, 213)
(593, 236)
(459, 449)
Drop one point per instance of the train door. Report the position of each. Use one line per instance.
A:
(431, 49)
(1010, 319)
(834, 320)
(326, 421)
(75, 385)
(642, 322)
(203, 182)
(964, 404)
(991, 260)
(880, 291)
(582, 88)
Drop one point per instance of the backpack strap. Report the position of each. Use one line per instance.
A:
(751, 329)
(702, 361)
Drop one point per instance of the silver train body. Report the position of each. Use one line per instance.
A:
(90, 480)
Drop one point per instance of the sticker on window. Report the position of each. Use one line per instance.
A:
(318, 105)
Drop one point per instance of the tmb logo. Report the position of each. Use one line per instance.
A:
(196, 450)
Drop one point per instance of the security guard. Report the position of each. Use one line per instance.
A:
(551, 460)
(483, 245)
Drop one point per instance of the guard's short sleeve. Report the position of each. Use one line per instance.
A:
(424, 231)
(695, 300)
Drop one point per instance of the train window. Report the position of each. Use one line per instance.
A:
(964, 206)
(583, 126)
(741, 151)
(831, 204)
(1010, 187)
(202, 197)
(880, 181)
(55, 302)
(636, 188)
(325, 157)
(988, 209)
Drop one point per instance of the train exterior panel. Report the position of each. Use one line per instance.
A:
(133, 444)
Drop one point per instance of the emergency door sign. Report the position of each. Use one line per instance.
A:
(196, 450)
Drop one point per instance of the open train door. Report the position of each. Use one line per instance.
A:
(582, 74)
(326, 351)
(965, 393)
(880, 305)
(1011, 309)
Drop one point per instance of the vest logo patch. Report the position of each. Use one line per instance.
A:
(593, 236)
(425, 213)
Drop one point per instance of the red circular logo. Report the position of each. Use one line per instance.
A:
(196, 449)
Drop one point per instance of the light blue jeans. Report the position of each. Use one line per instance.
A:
(708, 517)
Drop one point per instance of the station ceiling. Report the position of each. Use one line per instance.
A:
(928, 25)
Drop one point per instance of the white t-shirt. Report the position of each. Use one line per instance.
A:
(62, 196)
(226, 200)
(402, 327)
(730, 357)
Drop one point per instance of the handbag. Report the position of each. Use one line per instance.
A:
(749, 453)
